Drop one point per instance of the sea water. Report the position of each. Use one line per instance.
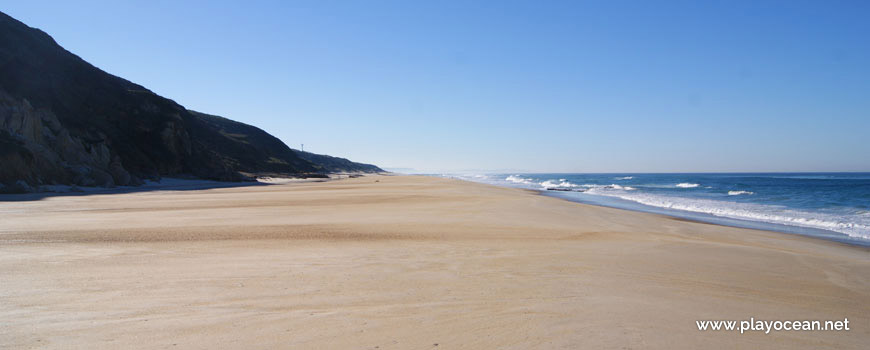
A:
(834, 206)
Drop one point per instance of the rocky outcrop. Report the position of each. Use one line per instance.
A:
(36, 149)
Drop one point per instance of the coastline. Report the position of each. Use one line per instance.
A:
(669, 216)
(823, 235)
(653, 193)
(407, 261)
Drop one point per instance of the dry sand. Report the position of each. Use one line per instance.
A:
(403, 262)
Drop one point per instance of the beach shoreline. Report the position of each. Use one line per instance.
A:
(737, 223)
(405, 262)
(820, 205)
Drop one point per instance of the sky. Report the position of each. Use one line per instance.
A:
(505, 86)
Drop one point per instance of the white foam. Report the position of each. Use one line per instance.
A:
(624, 178)
(686, 185)
(857, 227)
(561, 183)
(737, 193)
(518, 179)
(595, 188)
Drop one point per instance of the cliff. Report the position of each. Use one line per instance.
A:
(64, 121)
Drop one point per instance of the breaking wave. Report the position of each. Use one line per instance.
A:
(752, 212)
(518, 179)
(737, 193)
(560, 183)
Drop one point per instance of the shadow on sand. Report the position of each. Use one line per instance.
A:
(166, 184)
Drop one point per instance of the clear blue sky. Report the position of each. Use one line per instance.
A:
(574, 86)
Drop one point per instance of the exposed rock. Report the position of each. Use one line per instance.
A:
(19, 186)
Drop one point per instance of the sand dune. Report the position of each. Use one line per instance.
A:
(404, 262)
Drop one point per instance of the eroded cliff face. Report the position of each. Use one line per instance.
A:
(64, 121)
(38, 150)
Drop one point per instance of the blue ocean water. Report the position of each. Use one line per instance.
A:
(834, 206)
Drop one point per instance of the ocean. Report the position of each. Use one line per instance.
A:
(834, 206)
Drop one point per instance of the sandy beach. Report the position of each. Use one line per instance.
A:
(404, 262)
